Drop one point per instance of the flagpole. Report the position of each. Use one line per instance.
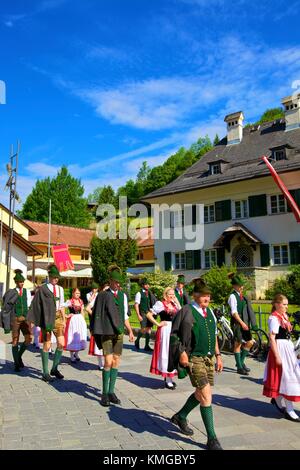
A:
(49, 232)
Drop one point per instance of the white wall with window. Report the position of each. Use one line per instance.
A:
(179, 260)
(209, 214)
(210, 258)
(240, 209)
(280, 254)
(277, 204)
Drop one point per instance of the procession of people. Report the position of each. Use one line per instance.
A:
(185, 340)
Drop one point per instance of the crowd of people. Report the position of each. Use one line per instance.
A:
(185, 342)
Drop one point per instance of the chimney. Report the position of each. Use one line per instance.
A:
(234, 127)
(292, 111)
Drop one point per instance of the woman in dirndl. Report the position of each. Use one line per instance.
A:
(282, 372)
(76, 329)
(167, 310)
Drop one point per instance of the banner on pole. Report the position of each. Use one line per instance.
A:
(287, 195)
(62, 258)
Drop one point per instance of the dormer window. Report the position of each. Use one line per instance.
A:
(215, 168)
(279, 154)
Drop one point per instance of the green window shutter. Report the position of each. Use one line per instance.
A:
(194, 214)
(294, 252)
(257, 205)
(168, 260)
(193, 259)
(220, 256)
(264, 254)
(295, 193)
(223, 210)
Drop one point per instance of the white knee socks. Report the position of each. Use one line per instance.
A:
(290, 409)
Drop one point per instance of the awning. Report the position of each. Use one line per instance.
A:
(38, 272)
(230, 232)
(135, 271)
(86, 272)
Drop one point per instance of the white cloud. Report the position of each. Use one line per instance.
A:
(43, 6)
(42, 170)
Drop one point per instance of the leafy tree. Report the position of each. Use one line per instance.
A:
(107, 196)
(159, 281)
(216, 139)
(111, 251)
(269, 115)
(68, 206)
(95, 195)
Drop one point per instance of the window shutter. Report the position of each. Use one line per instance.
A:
(197, 259)
(193, 259)
(257, 205)
(223, 210)
(194, 214)
(264, 254)
(295, 193)
(294, 252)
(220, 257)
(168, 260)
(189, 259)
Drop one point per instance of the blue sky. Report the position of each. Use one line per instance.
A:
(102, 85)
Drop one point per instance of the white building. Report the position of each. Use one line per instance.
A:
(246, 218)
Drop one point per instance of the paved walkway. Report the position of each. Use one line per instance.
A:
(67, 414)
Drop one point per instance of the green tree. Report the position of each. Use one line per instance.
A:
(107, 196)
(288, 285)
(159, 281)
(68, 205)
(95, 195)
(216, 139)
(111, 251)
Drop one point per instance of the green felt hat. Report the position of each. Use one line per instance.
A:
(53, 271)
(19, 276)
(144, 281)
(236, 280)
(115, 276)
(181, 279)
(200, 287)
(94, 285)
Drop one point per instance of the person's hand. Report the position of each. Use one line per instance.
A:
(278, 361)
(219, 364)
(131, 337)
(162, 323)
(140, 318)
(244, 326)
(184, 359)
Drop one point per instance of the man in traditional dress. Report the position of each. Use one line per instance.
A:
(109, 316)
(193, 346)
(16, 303)
(144, 301)
(242, 318)
(180, 292)
(48, 312)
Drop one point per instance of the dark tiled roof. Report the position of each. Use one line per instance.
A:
(243, 159)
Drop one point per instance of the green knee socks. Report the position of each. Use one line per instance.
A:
(105, 381)
(22, 349)
(15, 353)
(208, 420)
(113, 378)
(45, 357)
(244, 354)
(189, 405)
(57, 358)
(238, 360)
(147, 338)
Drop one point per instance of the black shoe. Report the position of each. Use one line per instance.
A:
(104, 400)
(287, 416)
(242, 372)
(182, 424)
(147, 348)
(77, 359)
(21, 363)
(213, 444)
(274, 402)
(246, 368)
(56, 374)
(47, 378)
(137, 345)
(17, 368)
(114, 399)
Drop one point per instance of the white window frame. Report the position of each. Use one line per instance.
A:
(244, 208)
(278, 197)
(211, 213)
(180, 255)
(280, 246)
(211, 254)
(175, 218)
(214, 167)
(279, 151)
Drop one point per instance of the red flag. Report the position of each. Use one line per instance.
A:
(62, 257)
(289, 199)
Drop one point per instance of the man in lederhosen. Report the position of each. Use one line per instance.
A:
(180, 292)
(144, 301)
(242, 318)
(16, 303)
(193, 345)
(48, 312)
(109, 317)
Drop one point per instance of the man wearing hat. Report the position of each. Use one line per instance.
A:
(194, 333)
(16, 303)
(180, 292)
(109, 317)
(48, 312)
(242, 318)
(144, 301)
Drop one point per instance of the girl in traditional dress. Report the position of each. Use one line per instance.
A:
(166, 309)
(282, 372)
(76, 329)
(93, 349)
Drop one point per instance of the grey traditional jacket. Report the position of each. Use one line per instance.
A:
(8, 310)
(42, 311)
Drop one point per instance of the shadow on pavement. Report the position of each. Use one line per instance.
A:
(142, 381)
(141, 421)
(248, 406)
